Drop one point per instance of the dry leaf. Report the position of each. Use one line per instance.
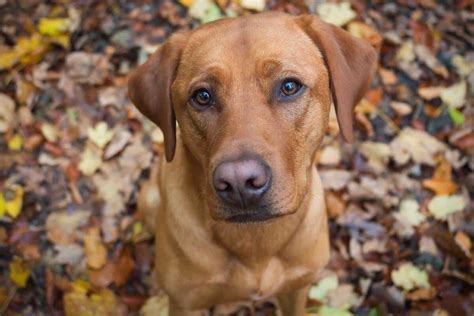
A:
(90, 161)
(100, 135)
(441, 182)
(96, 253)
(455, 95)
(410, 277)
(19, 272)
(443, 205)
(336, 13)
(256, 5)
(417, 145)
(464, 242)
(330, 156)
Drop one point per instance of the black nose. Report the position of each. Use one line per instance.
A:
(242, 183)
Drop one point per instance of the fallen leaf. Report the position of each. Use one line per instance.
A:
(377, 154)
(78, 303)
(100, 135)
(335, 179)
(336, 13)
(117, 144)
(410, 277)
(429, 93)
(335, 205)
(330, 156)
(443, 205)
(410, 210)
(401, 108)
(13, 200)
(90, 161)
(155, 306)
(7, 112)
(464, 242)
(320, 290)
(87, 68)
(421, 294)
(71, 254)
(256, 5)
(463, 67)
(61, 226)
(53, 26)
(96, 253)
(456, 116)
(50, 132)
(19, 272)
(455, 95)
(417, 145)
(441, 182)
(333, 311)
(15, 143)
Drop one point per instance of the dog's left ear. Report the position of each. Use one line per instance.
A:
(149, 88)
(351, 63)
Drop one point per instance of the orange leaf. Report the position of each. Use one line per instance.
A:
(441, 182)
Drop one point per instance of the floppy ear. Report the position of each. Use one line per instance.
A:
(149, 88)
(351, 63)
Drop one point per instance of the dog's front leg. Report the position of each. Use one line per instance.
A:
(293, 303)
(176, 310)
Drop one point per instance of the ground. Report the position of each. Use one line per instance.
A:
(74, 151)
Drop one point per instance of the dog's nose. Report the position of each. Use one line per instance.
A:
(242, 183)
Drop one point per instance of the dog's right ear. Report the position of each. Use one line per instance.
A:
(149, 88)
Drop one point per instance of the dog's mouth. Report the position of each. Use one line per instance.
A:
(252, 217)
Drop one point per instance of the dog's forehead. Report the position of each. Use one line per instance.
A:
(252, 38)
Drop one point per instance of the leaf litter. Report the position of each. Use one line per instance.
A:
(74, 151)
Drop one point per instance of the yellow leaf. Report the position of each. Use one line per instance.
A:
(96, 253)
(3, 208)
(13, 206)
(8, 58)
(101, 135)
(81, 286)
(410, 277)
(15, 143)
(186, 3)
(19, 273)
(62, 40)
(31, 49)
(53, 27)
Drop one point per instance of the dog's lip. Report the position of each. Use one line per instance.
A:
(252, 217)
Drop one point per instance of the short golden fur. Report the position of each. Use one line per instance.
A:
(201, 258)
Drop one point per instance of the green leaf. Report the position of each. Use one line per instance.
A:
(456, 116)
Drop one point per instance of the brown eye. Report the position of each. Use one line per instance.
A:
(201, 98)
(290, 87)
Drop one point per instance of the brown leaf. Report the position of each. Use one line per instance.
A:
(335, 204)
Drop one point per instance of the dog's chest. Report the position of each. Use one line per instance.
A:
(261, 282)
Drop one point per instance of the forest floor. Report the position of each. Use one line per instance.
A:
(74, 151)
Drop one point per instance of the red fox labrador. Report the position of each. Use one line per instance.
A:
(238, 207)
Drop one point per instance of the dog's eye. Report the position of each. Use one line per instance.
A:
(290, 87)
(201, 98)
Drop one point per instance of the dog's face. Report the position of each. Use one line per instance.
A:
(252, 96)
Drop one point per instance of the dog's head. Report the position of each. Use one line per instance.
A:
(252, 97)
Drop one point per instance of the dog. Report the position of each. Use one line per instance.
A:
(238, 207)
